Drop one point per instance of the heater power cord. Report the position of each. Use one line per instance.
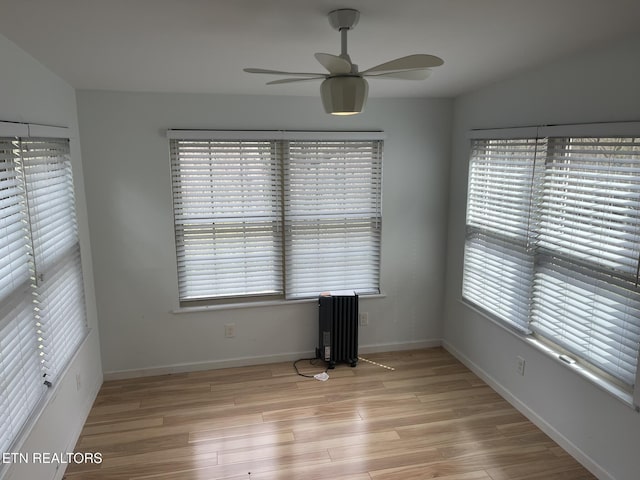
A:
(311, 362)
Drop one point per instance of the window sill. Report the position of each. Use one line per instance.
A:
(616, 392)
(266, 303)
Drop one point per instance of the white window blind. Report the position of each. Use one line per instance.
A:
(58, 290)
(585, 290)
(42, 311)
(21, 385)
(228, 219)
(60, 312)
(20, 370)
(14, 251)
(594, 319)
(559, 254)
(50, 199)
(501, 182)
(498, 267)
(497, 277)
(274, 213)
(332, 216)
(591, 202)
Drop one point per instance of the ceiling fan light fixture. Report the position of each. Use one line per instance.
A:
(344, 95)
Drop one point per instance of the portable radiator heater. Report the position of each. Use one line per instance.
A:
(338, 332)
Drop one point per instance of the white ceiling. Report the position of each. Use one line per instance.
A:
(202, 45)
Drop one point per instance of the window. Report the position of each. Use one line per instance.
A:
(276, 214)
(553, 241)
(498, 267)
(42, 312)
(332, 194)
(228, 218)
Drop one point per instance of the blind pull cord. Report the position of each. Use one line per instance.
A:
(532, 190)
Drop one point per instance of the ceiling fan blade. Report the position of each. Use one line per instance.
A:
(278, 72)
(410, 62)
(334, 64)
(415, 74)
(292, 80)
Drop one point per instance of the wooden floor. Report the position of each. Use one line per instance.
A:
(430, 417)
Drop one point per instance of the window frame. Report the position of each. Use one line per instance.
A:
(281, 140)
(629, 394)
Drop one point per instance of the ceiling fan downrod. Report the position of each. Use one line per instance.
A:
(343, 20)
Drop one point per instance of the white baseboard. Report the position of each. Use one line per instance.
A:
(258, 360)
(208, 365)
(399, 346)
(536, 419)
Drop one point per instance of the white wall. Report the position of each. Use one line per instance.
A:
(597, 86)
(30, 93)
(126, 161)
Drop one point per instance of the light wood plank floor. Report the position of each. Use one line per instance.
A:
(430, 417)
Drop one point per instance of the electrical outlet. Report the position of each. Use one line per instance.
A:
(230, 330)
(521, 363)
(363, 319)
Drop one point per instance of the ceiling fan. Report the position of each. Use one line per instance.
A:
(344, 89)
